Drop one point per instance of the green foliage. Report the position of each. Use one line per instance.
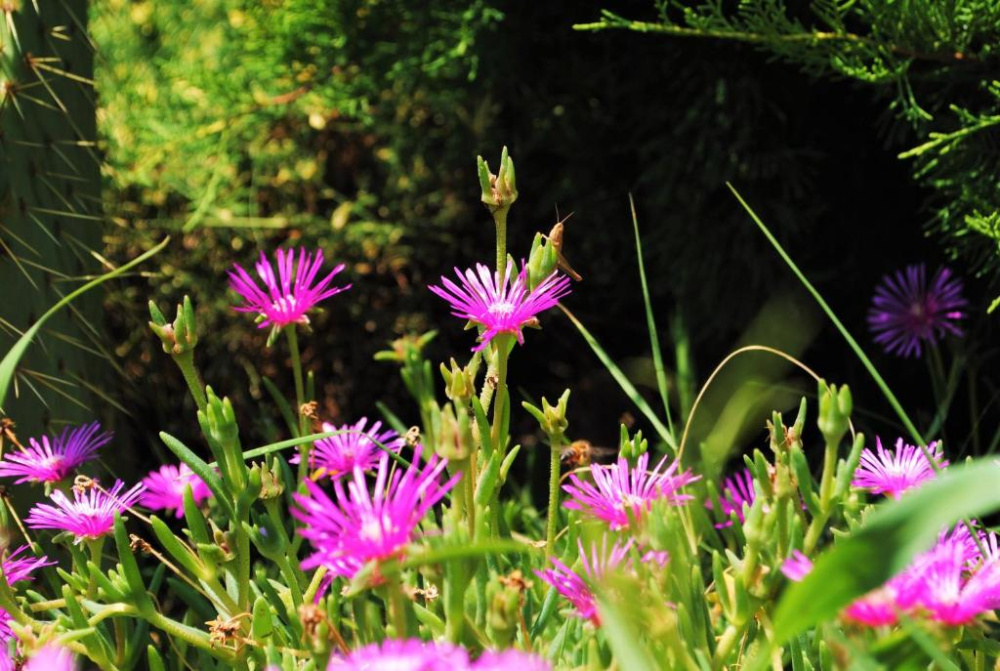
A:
(50, 210)
(931, 60)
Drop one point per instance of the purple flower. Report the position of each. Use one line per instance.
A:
(17, 569)
(905, 311)
(50, 658)
(165, 488)
(574, 588)
(408, 655)
(358, 527)
(287, 297)
(797, 566)
(338, 455)
(510, 659)
(52, 460)
(91, 515)
(895, 472)
(500, 306)
(737, 490)
(619, 490)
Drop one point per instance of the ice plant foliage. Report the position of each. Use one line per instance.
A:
(907, 312)
(165, 487)
(500, 305)
(17, 568)
(53, 459)
(287, 296)
(893, 473)
(619, 491)
(576, 588)
(355, 447)
(90, 515)
(358, 526)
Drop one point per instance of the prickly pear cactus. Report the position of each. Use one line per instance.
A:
(50, 209)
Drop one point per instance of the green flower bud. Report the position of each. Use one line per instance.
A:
(503, 616)
(408, 348)
(834, 412)
(180, 336)
(498, 191)
(455, 438)
(551, 418)
(271, 484)
(631, 448)
(459, 383)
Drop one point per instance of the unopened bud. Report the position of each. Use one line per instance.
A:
(498, 191)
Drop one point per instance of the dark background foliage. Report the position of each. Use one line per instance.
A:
(353, 126)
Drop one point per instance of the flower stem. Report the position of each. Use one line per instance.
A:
(553, 512)
(500, 219)
(185, 361)
(305, 448)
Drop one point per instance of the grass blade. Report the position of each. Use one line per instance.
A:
(836, 322)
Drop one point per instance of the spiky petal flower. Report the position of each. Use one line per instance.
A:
(737, 490)
(50, 658)
(877, 608)
(165, 488)
(407, 655)
(895, 472)
(500, 305)
(288, 296)
(51, 460)
(357, 527)
(510, 659)
(574, 587)
(90, 515)
(619, 490)
(797, 566)
(338, 455)
(906, 312)
(17, 569)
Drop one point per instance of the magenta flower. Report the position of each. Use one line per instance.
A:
(17, 569)
(91, 515)
(338, 455)
(50, 658)
(52, 460)
(905, 311)
(895, 472)
(619, 490)
(797, 566)
(358, 527)
(510, 659)
(409, 655)
(287, 297)
(737, 490)
(575, 588)
(165, 488)
(500, 306)
(878, 608)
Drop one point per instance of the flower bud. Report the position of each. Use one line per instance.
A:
(271, 484)
(459, 383)
(631, 448)
(551, 418)
(182, 335)
(504, 596)
(456, 440)
(498, 191)
(408, 348)
(267, 537)
(834, 412)
(542, 260)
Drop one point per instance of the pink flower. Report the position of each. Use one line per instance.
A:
(409, 655)
(510, 660)
(17, 569)
(91, 515)
(287, 297)
(737, 490)
(500, 306)
(797, 566)
(906, 311)
(359, 527)
(50, 658)
(619, 490)
(165, 488)
(895, 472)
(52, 460)
(878, 608)
(338, 455)
(574, 588)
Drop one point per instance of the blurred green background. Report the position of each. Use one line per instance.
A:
(353, 126)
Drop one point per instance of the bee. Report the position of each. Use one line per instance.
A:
(581, 453)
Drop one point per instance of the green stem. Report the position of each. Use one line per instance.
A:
(292, 580)
(185, 361)
(300, 398)
(553, 512)
(397, 604)
(730, 637)
(500, 219)
(96, 547)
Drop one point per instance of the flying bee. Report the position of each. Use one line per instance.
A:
(581, 453)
